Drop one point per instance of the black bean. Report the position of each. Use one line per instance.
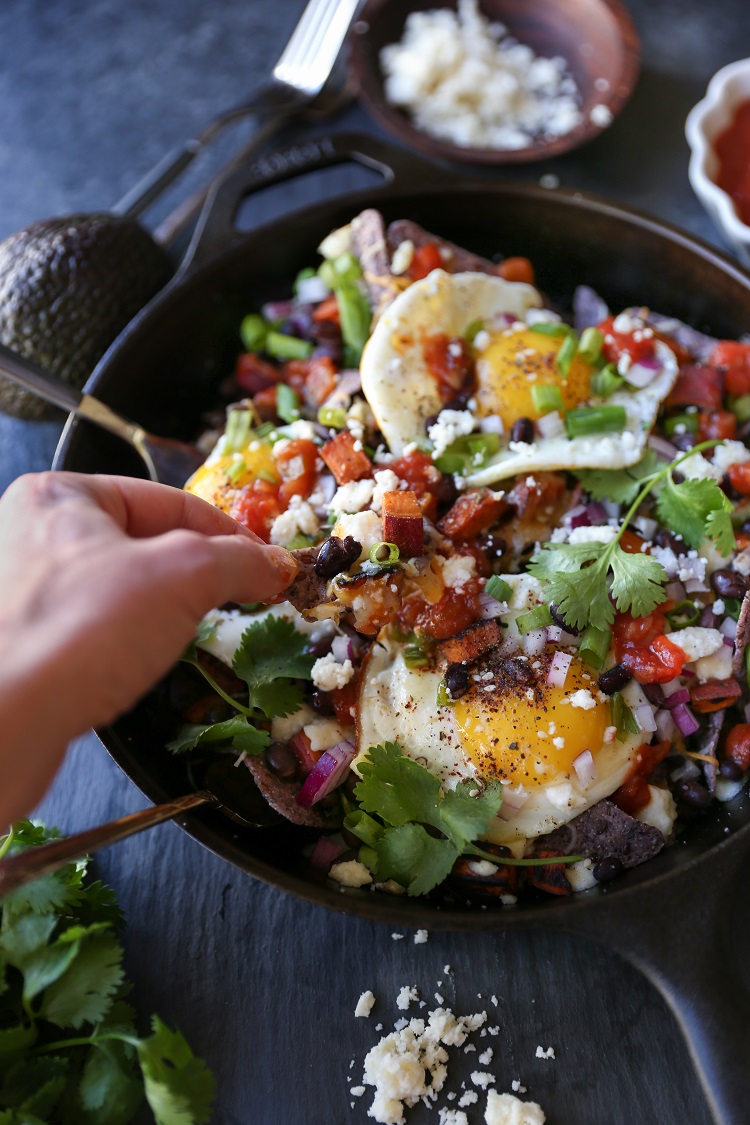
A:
(692, 793)
(728, 583)
(281, 760)
(558, 619)
(350, 784)
(494, 546)
(336, 555)
(653, 693)
(664, 538)
(446, 491)
(608, 868)
(522, 430)
(350, 839)
(457, 680)
(683, 442)
(320, 701)
(614, 679)
(730, 770)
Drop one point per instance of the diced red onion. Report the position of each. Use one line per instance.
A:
(686, 721)
(747, 712)
(327, 486)
(489, 607)
(514, 798)
(665, 725)
(558, 669)
(324, 854)
(707, 619)
(728, 641)
(668, 559)
(340, 649)
(612, 508)
(585, 768)
(675, 591)
(597, 512)
(646, 526)
(534, 642)
(550, 425)
(312, 289)
(682, 695)
(642, 372)
(728, 628)
(277, 310)
(554, 633)
(671, 687)
(327, 774)
(492, 424)
(693, 565)
(578, 517)
(644, 716)
(696, 586)
(662, 448)
(686, 769)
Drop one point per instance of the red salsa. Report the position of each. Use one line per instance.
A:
(733, 153)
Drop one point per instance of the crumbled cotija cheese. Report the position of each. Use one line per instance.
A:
(505, 1109)
(467, 81)
(449, 427)
(350, 873)
(327, 674)
(365, 1004)
(298, 519)
(458, 570)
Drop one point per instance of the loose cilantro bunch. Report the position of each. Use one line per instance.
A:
(587, 581)
(271, 659)
(69, 1050)
(404, 798)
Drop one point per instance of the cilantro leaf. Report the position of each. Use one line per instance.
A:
(685, 507)
(414, 859)
(395, 787)
(719, 528)
(27, 934)
(238, 730)
(15, 1040)
(619, 485)
(271, 650)
(108, 1090)
(465, 817)
(637, 582)
(567, 557)
(84, 993)
(205, 631)
(179, 1087)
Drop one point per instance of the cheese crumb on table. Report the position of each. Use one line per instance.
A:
(405, 997)
(542, 1054)
(420, 937)
(365, 1004)
(505, 1109)
(482, 1078)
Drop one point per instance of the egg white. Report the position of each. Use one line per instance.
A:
(401, 393)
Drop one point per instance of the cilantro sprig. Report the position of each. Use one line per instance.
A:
(69, 1048)
(399, 799)
(587, 581)
(271, 659)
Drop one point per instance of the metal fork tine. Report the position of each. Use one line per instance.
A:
(314, 16)
(307, 65)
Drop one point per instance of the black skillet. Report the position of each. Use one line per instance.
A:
(671, 917)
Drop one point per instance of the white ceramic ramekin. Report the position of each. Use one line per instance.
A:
(706, 121)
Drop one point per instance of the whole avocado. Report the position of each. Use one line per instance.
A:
(68, 286)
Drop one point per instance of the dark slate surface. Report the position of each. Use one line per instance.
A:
(92, 94)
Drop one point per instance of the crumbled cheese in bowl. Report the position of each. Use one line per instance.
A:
(465, 80)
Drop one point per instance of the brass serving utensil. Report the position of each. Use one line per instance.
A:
(167, 460)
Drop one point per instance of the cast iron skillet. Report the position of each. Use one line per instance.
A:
(671, 916)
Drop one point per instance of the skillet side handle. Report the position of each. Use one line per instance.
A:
(215, 231)
(682, 934)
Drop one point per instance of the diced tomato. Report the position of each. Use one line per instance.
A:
(265, 403)
(738, 745)
(698, 384)
(631, 542)
(641, 646)
(256, 506)
(516, 269)
(328, 310)
(321, 379)
(346, 461)
(473, 512)
(422, 477)
(739, 477)
(450, 362)
(633, 795)
(454, 612)
(533, 499)
(735, 357)
(426, 258)
(294, 372)
(717, 425)
(617, 344)
(254, 374)
(344, 701)
(297, 464)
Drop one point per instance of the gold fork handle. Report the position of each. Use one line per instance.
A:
(17, 870)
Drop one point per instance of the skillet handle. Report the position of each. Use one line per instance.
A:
(215, 231)
(682, 933)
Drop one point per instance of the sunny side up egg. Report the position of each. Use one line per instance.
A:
(511, 360)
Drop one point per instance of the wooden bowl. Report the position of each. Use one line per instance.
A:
(596, 38)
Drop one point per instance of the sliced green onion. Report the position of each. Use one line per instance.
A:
(264, 430)
(332, 416)
(235, 470)
(303, 275)
(605, 382)
(280, 346)
(364, 826)
(384, 554)
(623, 717)
(369, 857)
(497, 588)
(688, 422)
(595, 646)
(740, 407)
(297, 542)
(237, 432)
(415, 656)
(546, 398)
(552, 328)
(595, 420)
(356, 317)
(473, 331)
(287, 402)
(590, 344)
(481, 447)
(536, 618)
(253, 331)
(269, 478)
(683, 615)
(566, 355)
(346, 269)
(443, 698)
(472, 451)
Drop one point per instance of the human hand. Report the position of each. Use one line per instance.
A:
(102, 582)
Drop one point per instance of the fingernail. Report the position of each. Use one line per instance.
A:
(285, 563)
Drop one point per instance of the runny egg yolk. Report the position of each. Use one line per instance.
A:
(515, 361)
(515, 726)
(218, 480)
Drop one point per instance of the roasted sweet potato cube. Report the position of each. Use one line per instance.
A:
(468, 646)
(473, 513)
(402, 522)
(346, 462)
